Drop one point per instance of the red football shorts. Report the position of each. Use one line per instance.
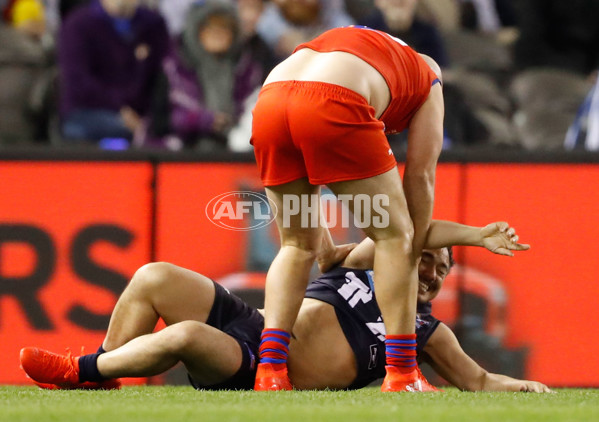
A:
(322, 131)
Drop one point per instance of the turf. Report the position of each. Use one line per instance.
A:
(172, 403)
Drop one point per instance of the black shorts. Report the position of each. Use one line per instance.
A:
(233, 316)
(369, 351)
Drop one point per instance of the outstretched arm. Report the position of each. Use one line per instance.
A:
(497, 237)
(449, 360)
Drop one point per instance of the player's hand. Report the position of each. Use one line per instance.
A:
(501, 239)
(327, 259)
(534, 387)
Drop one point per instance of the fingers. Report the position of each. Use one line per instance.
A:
(541, 388)
(502, 226)
(535, 387)
(515, 246)
(502, 239)
(503, 251)
(347, 246)
(327, 261)
(513, 241)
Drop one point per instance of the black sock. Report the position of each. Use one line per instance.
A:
(101, 350)
(88, 368)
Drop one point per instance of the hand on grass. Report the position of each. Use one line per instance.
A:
(534, 387)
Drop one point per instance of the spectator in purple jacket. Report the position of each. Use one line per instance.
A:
(110, 53)
(206, 79)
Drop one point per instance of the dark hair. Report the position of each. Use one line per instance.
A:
(451, 260)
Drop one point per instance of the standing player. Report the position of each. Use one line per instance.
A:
(321, 118)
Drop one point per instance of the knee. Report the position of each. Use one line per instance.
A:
(304, 244)
(151, 277)
(178, 338)
(399, 242)
(301, 251)
(402, 242)
(401, 232)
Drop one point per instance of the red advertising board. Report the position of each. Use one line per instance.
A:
(185, 235)
(71, 235)
(552, 289)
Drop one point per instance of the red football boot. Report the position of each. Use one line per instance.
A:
(50, 368)
(269, 379)
(111, 384)
(427, 386)
(58, 372)
(396, 381)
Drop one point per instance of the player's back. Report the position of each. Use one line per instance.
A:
(392, 77)
(336, 67)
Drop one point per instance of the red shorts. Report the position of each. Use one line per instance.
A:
(322, 131)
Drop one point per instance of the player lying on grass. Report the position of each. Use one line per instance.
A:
(216, 335)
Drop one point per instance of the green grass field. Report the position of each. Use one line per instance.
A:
(178, 403)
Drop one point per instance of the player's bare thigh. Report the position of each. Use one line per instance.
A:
(176, 293)
(187, 295)
(387, 184)
(319, 354)
(210, 355)
(158, 290)
(291, 227)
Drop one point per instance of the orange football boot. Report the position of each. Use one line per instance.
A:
(111, 384)
(268, 379)
(396, 381)
(58, 372)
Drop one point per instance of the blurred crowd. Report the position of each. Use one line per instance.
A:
(184, 74)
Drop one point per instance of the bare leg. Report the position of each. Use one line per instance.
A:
(289, 272)
(395, 270)
(158, 290)
(209, 355)
(184, 300)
